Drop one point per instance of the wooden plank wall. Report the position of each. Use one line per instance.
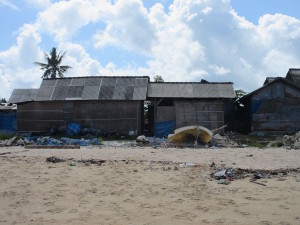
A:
(165, 113)
(277, 116)
(109, 116)
(276, 110)
(206, 113)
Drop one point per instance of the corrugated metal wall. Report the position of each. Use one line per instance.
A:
(206, 113)
(276, 110)
(108, 116)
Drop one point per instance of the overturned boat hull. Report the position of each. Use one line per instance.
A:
(197, 133)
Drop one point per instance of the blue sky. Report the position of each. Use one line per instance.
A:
(242, 41)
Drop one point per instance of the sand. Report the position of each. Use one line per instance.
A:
(146, 189)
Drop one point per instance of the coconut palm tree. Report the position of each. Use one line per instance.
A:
(52, 67)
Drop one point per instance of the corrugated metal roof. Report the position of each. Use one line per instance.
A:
(191, 90)
(94, 88)
(119, 88)
(23, 95)
(294, 76)
(269, 80)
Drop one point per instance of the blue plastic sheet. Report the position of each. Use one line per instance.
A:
(163, 129)
(73, 129)
(8, 122)
(255, 105)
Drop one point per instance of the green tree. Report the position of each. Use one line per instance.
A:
(3, 100)
(158, 78)
(52, 66)
(240, 93)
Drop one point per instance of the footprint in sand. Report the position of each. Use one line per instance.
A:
(251, 198)
(284, 223)
(201, 208)
(283, 207)
(73, 211)
(242, 213)
(56, 210)
(49, 203)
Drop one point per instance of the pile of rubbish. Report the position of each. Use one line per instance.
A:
(151, 141)
(226, 175)
(226, 141)
(292, 141)
(288, 141)
(49, 141)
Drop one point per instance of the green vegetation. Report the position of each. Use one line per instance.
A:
(158, 78)
(52, 66)
(240, 93)
(4, 136)
(254, 141)
(3, 100)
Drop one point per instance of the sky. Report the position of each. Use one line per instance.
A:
(239, 41)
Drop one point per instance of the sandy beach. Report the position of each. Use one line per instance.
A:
(145, 186)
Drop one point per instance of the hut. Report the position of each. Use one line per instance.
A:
(110, 104)
(273, 109)
(182, 104)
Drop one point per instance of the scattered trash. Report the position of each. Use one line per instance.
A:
(223, 181)
(48, 141)
(221, 173)
(72, 164)
(237, 173)
(55, 159)
(92, 161)
(81, 142)
(11, 141)
(142, 139)
(185, 165)
(132, 133)
(20, 142)
(292, 141)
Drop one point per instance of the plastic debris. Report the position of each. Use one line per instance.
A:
(55, 159)
(221, 173)
(223, 181)
(81, 142)
(185, 165)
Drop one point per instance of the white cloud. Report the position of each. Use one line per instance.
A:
(219, 70)
(8, 4)
(128, 27)
(65, 18)
(26, 51)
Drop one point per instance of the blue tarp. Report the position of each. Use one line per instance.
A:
(8, 122)
(73, 129)
(163, 129)
(255, 105)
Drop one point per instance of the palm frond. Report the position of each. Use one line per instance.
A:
(51, 67)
